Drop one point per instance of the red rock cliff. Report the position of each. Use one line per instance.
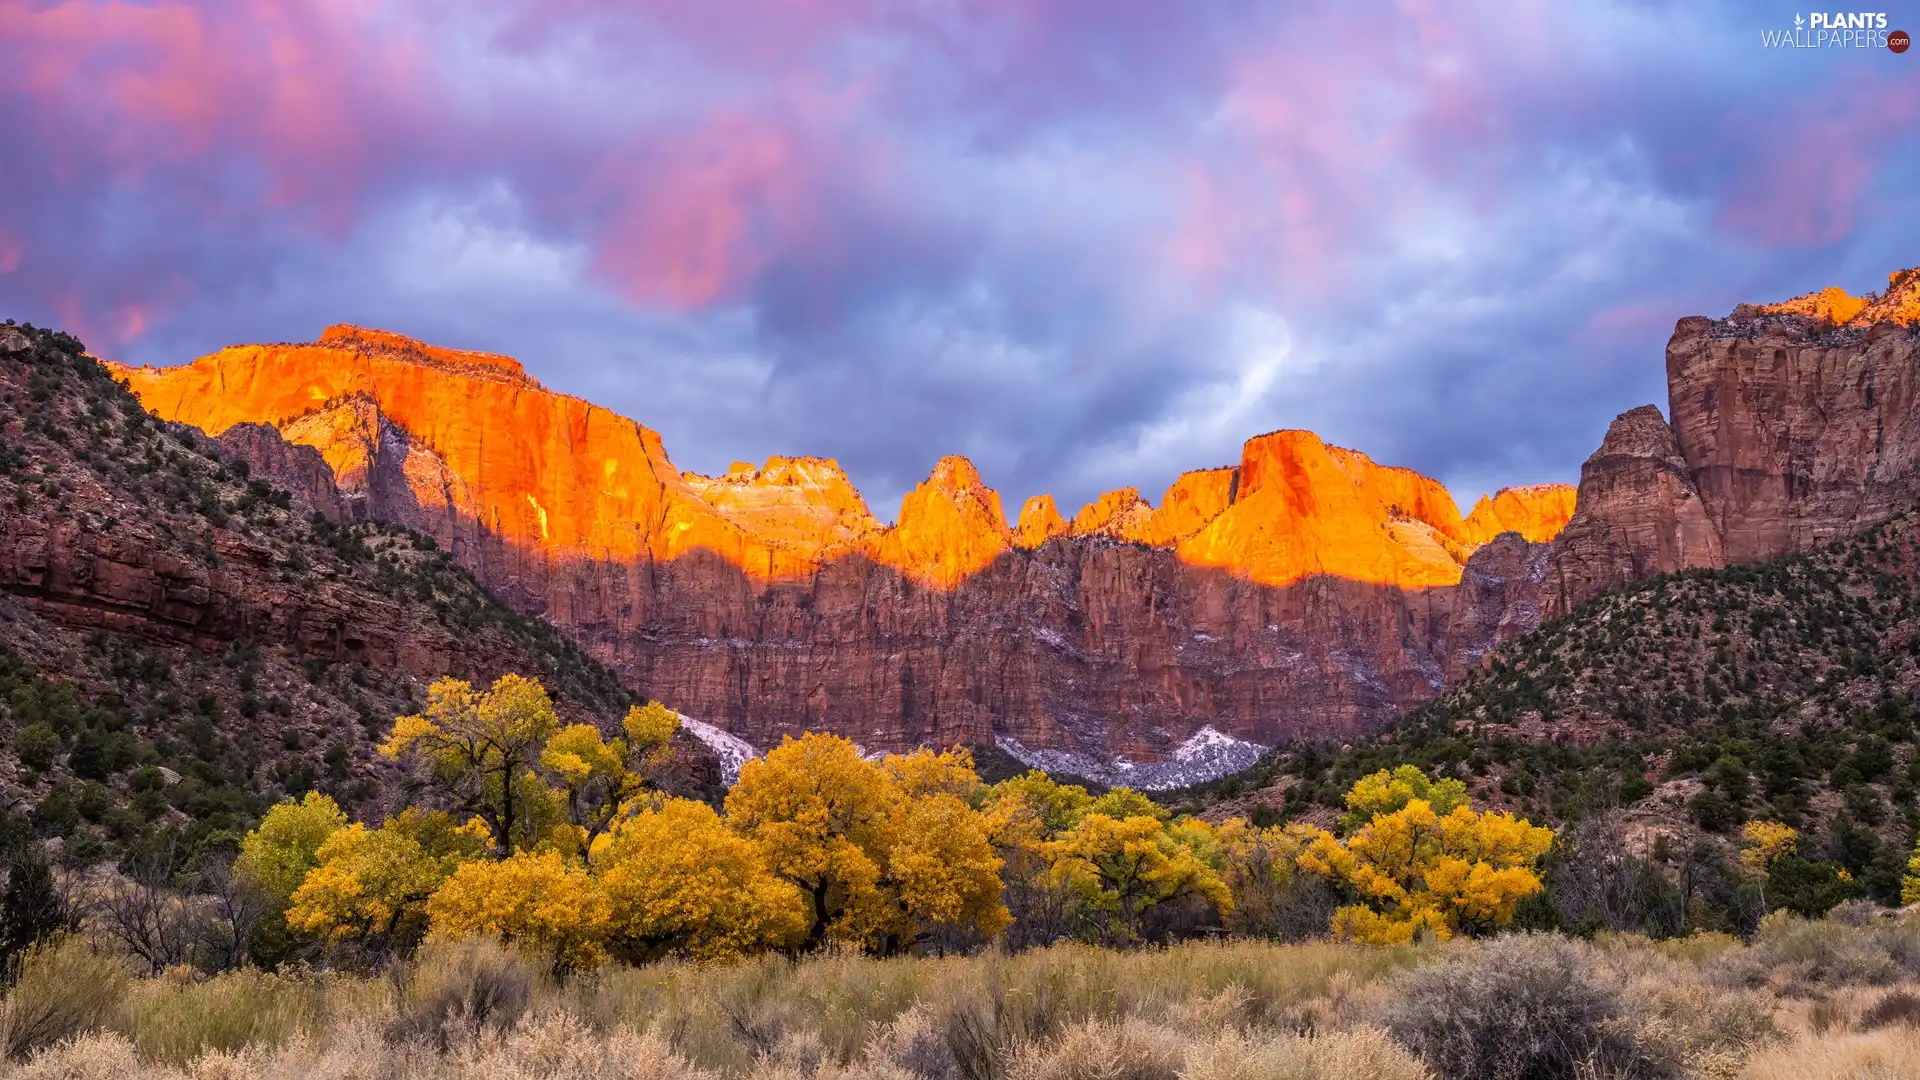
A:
(1305, 591)
(1791, 424)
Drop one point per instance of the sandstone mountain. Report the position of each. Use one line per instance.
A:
(1790, 424)
(182, 640)
(1305, 591)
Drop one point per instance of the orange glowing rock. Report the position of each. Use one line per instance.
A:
(1040, 521)
(805, 505)
(1120, 514)
(1192, 501)
(1832, 304)
(1537, 512)
(1306, 508)
(540, 469)
(436, 437)
(1899, 304)
(950, 526)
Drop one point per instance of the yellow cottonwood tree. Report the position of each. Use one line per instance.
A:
(1023, 814)
(1910, 885)
(479, 748)
(1260, 867)
(677, 880)
(1385, 792)
(1122, 867)
(600, 778)
(531, 900)
(941, 870)
(833, 824)
(277, 855)
(1037, 804)
(1761, 842)
(1414, 870)
(373, 884)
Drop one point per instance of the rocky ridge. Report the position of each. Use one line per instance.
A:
(1304, 590)
(1788, 425)
(186, 626)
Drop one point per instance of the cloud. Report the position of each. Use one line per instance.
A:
(1091, 243)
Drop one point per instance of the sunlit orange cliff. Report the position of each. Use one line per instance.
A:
(1304, 590)
(546, 471)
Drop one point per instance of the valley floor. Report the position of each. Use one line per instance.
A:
(1806, 1000)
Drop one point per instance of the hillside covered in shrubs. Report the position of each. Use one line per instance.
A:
(177, 636)
(1657, 720)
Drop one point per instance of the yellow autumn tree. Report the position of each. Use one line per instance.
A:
(1761, 842)
(1041, 805)
(599, 778)
(1412, 870)
(1261, 869)
(278, 854)
(1910, 885)
(1124, 802)
(679, 881)
(534, 901)
(1386, 792)
(849, 834)
(479, 748)
(371, 886)
(1023, 815)
(1120, 868)
(941, 868)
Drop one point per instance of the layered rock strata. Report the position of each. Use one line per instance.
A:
(1790, 424)
(1305, 591)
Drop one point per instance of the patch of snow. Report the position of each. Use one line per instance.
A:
(1049, 635)
(732, 750)
(1207, 755)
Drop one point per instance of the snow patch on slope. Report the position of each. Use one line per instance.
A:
(1208, 755)
(732, 750)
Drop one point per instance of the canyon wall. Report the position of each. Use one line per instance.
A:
(1791, 424)
(1304, 591)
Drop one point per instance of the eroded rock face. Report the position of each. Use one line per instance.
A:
(1639, 514)
(1792, 424)
(1040, 521)
(1537, 512)
(1306, 591)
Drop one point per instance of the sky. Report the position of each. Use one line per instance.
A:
(1088, 243)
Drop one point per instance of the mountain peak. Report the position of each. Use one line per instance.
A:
(367, 339)
(1899, 305)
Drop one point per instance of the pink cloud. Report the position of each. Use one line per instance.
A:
(691, 218)
(312, 93)
(1804, 170)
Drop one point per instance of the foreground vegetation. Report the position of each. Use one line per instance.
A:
(1822, 1000)
(1680, 709)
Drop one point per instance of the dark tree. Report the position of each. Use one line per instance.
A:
(32, 906)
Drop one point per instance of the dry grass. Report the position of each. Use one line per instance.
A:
(1704, 1009)
(64, 988)
(1888, 1054)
